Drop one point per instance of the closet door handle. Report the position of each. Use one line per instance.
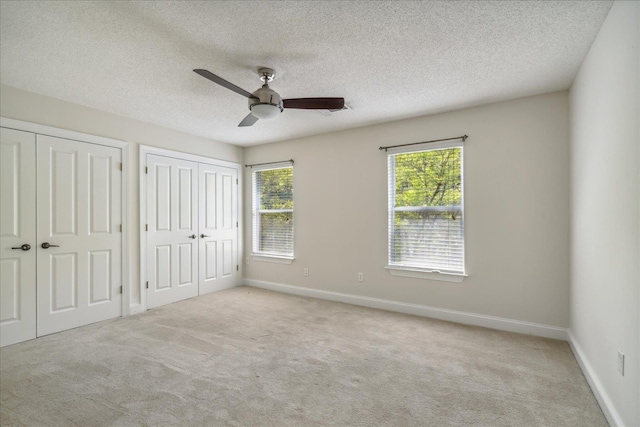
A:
(204, 235)
(47, 245)
(193, 236)
(24, 247)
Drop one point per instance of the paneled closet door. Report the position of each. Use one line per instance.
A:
(79, 272)
(172, 235)
(218, 227)
(17, 236)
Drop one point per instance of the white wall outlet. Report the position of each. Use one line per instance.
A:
(248, 260)
(306, 271)
(621, 362)
(360, 277)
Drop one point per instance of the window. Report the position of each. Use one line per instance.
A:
(273, 212)
(426, 216)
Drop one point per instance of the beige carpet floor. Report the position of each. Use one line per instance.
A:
(250, 357)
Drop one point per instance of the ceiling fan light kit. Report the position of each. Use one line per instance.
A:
(266, 103)
(265, 110)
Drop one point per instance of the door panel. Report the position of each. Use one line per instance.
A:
(163, 267)
(162, 175)
(186, 261)
(17, 227)
(99, 277)
(100, 170)
(227, 257)
(64, 196)
(10, 292)
(79, 211)
(172, 212)
(209, 208)
(185, 205)
(226, 197)
(64, 282)
(210, 261)
(218, 221)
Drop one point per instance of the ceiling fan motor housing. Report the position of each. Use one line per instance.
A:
(267, 105)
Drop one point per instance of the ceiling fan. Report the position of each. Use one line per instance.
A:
(265, 103)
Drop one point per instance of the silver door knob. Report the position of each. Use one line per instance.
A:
(193, 236)
(47, 245)
(24, 247)
(204, 235)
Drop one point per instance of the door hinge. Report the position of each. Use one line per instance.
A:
(146, 169)
(236, 180)
(237, 267)
(121, 228)
(236, 224)
(120, 166)
(147, 285)
(146, 227)
(120, 289)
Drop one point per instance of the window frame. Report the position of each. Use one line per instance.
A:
(402, 270)
(256, 217)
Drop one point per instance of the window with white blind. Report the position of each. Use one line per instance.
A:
(272, 202)
(426, 215)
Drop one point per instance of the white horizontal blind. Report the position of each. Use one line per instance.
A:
(272, 201)
(426, 215)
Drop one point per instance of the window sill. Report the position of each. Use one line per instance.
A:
(272, 258)
(424, 274)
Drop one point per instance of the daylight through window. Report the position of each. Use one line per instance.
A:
(426, 216)
(272, 200)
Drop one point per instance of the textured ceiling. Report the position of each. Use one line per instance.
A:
(389, 60)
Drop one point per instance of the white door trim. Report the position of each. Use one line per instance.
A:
(94, 139)
(142, 186)
(147, 149)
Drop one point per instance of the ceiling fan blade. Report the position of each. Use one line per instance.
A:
(314, 103)
(248, 121)
(222, 82)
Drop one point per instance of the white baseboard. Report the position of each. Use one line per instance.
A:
(139, 308)
(491, 322)
(135, 309)
(599, 392)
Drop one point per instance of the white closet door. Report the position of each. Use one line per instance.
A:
(218, 227)
(17, 228)
(79, 216)
(172, 236)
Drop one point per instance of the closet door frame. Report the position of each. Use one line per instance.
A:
(142, 181)
(99, 140)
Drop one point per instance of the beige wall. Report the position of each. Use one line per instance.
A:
(605, 210)
(30, 107)
(516, 199)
